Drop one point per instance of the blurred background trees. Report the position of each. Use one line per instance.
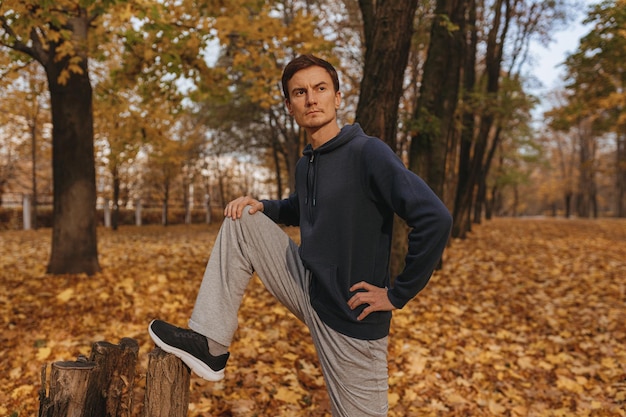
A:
(179, 104)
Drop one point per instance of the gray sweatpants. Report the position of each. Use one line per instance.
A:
(355, 371)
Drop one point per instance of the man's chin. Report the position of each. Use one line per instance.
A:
(314, 123)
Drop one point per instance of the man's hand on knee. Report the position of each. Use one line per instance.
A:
(234, 209)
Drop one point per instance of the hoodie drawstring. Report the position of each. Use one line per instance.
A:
(311, 184)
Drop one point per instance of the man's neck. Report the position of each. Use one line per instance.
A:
(318, 137)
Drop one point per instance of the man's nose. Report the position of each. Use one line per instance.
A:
(311, 97)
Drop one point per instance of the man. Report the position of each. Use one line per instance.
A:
(348, 187)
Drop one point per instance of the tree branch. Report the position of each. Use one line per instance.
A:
(369, 15)
(17, 45)
(13, 69)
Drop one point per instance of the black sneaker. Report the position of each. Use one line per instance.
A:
(191, 347)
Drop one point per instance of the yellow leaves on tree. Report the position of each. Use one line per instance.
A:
(260, 42)
(72, 67)
(526, 318)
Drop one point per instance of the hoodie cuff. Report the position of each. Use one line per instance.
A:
(271, 209)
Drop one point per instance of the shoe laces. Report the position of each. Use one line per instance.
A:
(189, 334)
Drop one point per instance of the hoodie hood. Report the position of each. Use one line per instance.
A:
(313, 155)
(345, 134)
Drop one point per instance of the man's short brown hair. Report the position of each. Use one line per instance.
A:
(306, 61)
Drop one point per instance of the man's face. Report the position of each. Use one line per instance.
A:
(312, 99)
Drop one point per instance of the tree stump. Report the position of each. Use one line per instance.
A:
(167, 386)
(68, 389)
(102, 386)
(111, 385)
(99, 387)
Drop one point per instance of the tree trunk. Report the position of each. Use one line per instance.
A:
(568, 204)
(491, 205)
(481, 199)
(388, 27)
(620, 183)
(167, 386)
(166, 200)
(221, 188)
(586, 182)
(463, 197)
(111, 386)
(74, 242)
(479, 167)
(293, 151)
(275, 145)
(476, 164)
(433, 117)
(115, 218)
(186, 202)
(482, 180)
(279, 181)
(33, 135)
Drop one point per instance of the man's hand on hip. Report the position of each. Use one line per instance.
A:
(375, 297)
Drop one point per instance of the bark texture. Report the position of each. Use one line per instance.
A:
(167, 386)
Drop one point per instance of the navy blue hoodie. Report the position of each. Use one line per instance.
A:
(347, 192)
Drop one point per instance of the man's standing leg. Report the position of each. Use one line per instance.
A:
(355, 371)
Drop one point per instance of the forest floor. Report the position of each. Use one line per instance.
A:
(527, 317)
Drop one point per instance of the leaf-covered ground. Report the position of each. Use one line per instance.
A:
(526, 318)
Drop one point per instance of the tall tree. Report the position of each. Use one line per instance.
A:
(162, 44)
(496, 37)
(596, 72)
(433, 120)
(55, 35)
(460, 212)
(24, 116)
(388, 28)
(511, 24)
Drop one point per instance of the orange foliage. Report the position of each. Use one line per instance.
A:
(526, 318)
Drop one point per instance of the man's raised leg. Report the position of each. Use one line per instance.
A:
(252, 243)
(243, 246)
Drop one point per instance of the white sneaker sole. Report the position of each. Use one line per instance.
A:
(200, 368)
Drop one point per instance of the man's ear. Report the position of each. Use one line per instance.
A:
(288, 105)
(337, 100)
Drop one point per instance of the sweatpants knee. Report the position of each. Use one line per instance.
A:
(246, 216)
(256, 222)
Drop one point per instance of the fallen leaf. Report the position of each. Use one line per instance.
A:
(66, 295)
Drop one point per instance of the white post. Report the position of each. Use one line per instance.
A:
(26, 212)
(207, 206)
(107, 213)
(138, 211)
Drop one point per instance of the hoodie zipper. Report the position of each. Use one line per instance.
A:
(310, 199)
(310, 186)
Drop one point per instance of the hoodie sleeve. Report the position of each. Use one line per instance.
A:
(414, 201)
(285, 211)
